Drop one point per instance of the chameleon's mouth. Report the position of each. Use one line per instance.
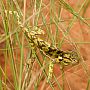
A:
(74, 62)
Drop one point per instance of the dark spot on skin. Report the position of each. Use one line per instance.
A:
(68, 58)
(60, 59)
(59, 52)
(67, 63)
(50, 51)
(42, 46)
(56, 56)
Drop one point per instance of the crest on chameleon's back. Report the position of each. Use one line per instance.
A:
(38, 31)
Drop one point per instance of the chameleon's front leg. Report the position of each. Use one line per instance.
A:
(50, 72)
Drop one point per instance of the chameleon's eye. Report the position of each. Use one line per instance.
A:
(74, 57)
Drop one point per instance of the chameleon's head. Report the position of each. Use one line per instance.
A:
(70, 57)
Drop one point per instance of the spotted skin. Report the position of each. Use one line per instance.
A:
(67, 57)
(64, 58)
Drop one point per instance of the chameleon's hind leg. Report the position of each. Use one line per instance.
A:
(28, 71)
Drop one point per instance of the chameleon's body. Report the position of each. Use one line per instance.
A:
(57, 56)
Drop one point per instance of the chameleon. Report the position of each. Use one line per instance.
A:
(57, 56)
